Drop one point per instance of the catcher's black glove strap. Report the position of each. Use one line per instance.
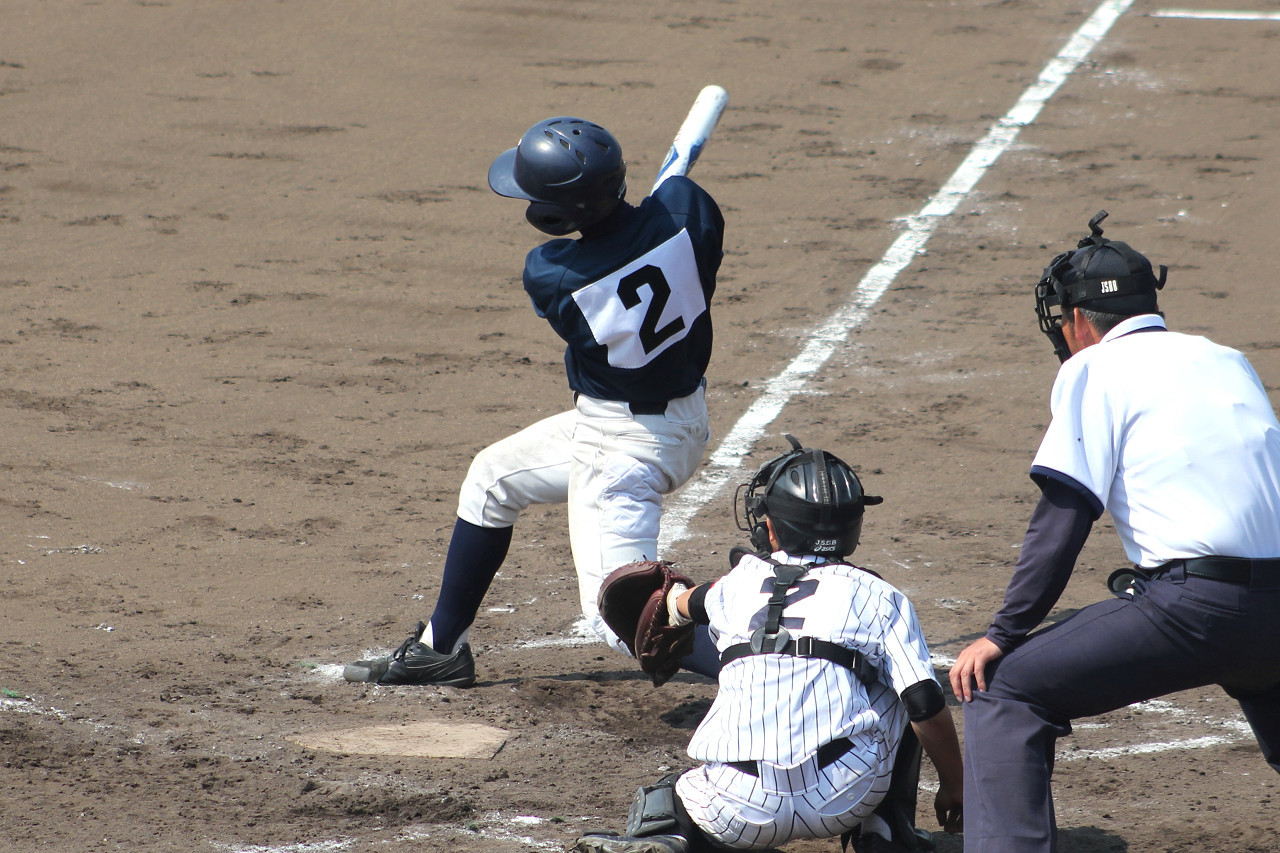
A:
(809, 647)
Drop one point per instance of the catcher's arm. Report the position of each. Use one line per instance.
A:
(938, 737)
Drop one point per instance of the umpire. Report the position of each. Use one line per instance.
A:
(1174, 436)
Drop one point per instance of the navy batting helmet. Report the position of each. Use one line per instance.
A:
(1100, 275)
(570, 171)
(814, 499)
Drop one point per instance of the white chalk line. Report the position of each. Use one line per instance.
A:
(27, 705)
(726, 460)
(493, 826)
(581, 634)
(1233, 730)
(303, 847)
(1214, 15)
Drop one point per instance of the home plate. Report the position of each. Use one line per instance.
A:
(436, 739)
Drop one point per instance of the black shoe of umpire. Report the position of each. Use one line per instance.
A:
(417, 663)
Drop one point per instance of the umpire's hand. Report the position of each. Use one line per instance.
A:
(971, 668)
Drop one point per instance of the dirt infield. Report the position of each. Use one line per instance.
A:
(258, 309)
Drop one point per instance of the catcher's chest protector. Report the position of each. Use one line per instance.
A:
(773, 639)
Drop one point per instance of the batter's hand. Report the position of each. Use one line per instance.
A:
(971, 668)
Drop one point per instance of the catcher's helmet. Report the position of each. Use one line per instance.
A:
(814, 500)
(569, 170)
(1099, 274)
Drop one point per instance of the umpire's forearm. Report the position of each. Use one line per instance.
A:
(1057, 532)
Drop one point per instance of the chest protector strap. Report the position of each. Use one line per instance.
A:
(773, 639)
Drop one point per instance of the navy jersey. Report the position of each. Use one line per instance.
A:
(631, 297)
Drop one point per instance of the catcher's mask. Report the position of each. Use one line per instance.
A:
(1099, 274)
(814, 500)
(570, 171)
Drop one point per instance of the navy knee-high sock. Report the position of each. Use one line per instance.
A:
(474, 557)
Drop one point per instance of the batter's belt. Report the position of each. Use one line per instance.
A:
(637, 407)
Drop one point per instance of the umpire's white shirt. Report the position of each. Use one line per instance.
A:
(780, 708)
(1176, 437)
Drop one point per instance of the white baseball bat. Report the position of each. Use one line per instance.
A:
(693, 133)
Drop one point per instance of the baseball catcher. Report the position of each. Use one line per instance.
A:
(827, 698)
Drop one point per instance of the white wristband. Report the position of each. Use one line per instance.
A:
(674, 617)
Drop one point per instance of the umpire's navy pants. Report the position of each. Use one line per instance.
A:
(1170, 634)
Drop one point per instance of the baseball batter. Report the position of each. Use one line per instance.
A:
(1175, 437)
(825, 668)
(631, 297)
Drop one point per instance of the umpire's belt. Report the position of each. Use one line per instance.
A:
(828, 753)
(1262, 574)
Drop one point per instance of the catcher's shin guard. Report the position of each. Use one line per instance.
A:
(657, 811)
(898, 808)
(653, 812)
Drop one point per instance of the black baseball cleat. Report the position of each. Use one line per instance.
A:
(610, 843)
(417, 663)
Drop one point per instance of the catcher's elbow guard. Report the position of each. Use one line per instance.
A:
(923, 699)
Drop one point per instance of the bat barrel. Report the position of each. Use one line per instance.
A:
(694, 133)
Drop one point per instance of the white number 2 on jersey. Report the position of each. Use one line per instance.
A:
(646, 306)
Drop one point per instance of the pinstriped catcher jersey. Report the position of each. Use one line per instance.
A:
(781, 708)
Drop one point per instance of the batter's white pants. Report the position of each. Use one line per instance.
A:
(612, 469)
(756, 812)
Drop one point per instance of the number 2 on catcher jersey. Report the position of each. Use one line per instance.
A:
(803, 589)
(646, 306)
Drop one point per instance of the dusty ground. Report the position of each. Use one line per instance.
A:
(258, 310)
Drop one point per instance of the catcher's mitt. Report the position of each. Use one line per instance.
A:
(633, 603)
